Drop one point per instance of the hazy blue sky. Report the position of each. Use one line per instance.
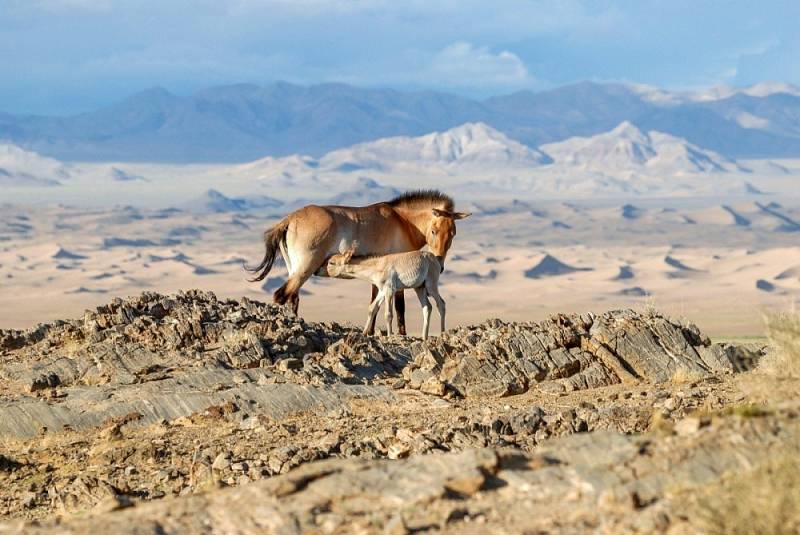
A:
(63, 56)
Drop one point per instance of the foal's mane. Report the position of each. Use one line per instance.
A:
(424, 198)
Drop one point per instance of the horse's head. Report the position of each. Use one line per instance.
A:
(441, 231)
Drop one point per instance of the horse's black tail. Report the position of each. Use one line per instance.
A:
(272, 242)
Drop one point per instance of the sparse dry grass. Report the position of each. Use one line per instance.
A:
(648, 306)
(764, 501)
(776, 380)
(684, 376)
(784, 332)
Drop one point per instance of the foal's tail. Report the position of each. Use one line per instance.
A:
(272, 242)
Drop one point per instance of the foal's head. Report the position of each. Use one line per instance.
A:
(336, 263)
(441, 231)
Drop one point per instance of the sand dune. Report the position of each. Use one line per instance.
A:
(720, 215)
(471, 276)
(625, 273)
(112, 242)
(786, 223)
(85, 290)
(63, 254)
(677, 264)
(790, 273)
(634, 291)
(765, 285)
(550, 266)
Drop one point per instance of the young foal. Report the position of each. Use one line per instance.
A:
(417, 270)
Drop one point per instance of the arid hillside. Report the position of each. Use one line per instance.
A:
(187, 413)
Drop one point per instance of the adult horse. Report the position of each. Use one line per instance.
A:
(307, 237)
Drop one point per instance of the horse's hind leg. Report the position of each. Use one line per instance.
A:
(400, 307)
(290, 291)
(294, 302)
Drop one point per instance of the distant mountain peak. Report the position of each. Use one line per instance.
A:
(629, 131)
(468, 144)
(627, 148)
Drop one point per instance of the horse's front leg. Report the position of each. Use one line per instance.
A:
(400, 307)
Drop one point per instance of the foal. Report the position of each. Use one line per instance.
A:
(418, 270)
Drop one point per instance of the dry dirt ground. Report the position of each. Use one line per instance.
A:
(187, 413)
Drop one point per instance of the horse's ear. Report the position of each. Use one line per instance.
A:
(461, 215)
(348, 254)
(441, 213)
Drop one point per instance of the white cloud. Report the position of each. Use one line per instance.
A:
(463, 65)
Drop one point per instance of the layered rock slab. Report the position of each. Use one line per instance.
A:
(574, 352)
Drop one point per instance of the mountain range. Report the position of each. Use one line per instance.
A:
(241, 123)
(476, 158)
(477, 149)
(624, 159)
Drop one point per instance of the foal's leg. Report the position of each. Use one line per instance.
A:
(370, 328)
(422, 294)
(389, 310)
(373, 312)
(400, 307)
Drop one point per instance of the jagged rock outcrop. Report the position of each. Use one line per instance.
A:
(574, 352)
(165, 357)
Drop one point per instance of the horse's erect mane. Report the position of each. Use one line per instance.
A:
(424, 197)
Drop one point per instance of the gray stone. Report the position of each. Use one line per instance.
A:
(222, 461)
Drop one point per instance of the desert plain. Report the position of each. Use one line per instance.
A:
(721, 258)
(605, 367)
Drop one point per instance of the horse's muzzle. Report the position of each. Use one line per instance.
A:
(440, 259)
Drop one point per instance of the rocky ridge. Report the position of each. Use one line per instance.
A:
(156, 396)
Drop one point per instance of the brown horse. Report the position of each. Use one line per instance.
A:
(307, 237)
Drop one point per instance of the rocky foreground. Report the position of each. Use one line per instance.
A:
(185, 413)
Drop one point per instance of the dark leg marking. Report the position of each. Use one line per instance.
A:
(400, 307)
